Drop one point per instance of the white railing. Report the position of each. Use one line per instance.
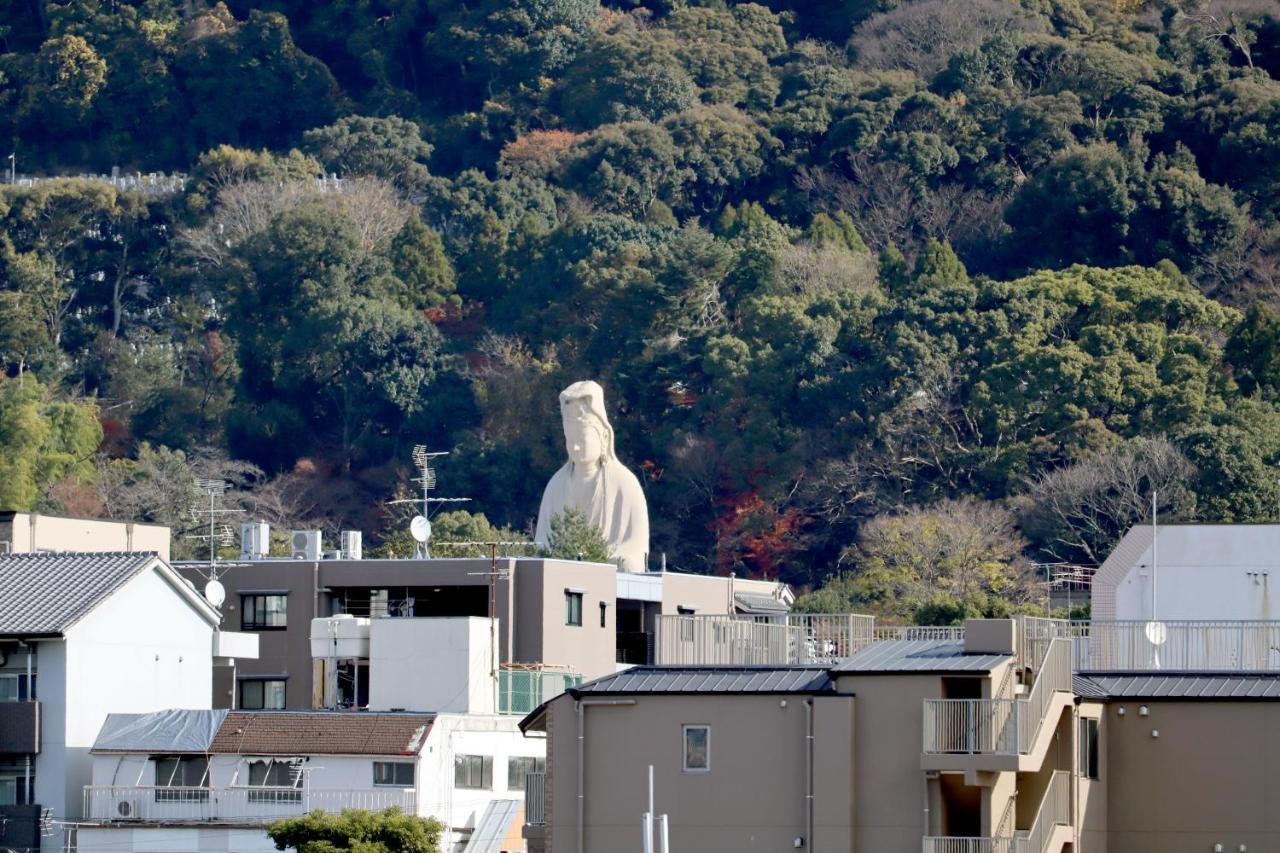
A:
(240, 804)
(742, 640)
(918, 632)
(535, 799)
(998, 726)
(1054, 811)
(958, 844)
(1179, 645)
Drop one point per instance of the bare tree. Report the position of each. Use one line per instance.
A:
(1225, 22)
(813, 270)
(1078, 513)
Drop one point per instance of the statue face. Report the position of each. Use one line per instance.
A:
(583, 438)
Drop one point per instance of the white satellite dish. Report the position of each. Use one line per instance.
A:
(420, 528)
(1156, 633)
(215, 593)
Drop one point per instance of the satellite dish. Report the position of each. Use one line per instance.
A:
(420, 528)
(1156, 633)
(215, 592)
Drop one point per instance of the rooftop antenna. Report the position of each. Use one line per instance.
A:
(420, 526)
(218, 534)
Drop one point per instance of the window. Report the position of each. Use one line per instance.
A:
(13, 686)
(396, 773)
(473, 771)
(275, 774)
(572, 607)
(263, 612)
(519, 766)
(697, 749)
(186, 775)
(604, 615)
(1089, 748)
(686, 625)
(257, 694)
(13, 790)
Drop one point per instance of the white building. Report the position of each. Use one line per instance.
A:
(1191, 571)
(210, 780)
(82, 635)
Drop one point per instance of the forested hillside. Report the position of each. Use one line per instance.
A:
(916, 291)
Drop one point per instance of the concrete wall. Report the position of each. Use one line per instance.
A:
(27, 533)
(753, 797)
(589, 648)
(1210, 777)
(145, 648)
(435, 664)
(172, 839)
(1091, 794)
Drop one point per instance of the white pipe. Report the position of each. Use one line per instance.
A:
(580, 708)
(664, 838)
(808, 772)
(1155, 555)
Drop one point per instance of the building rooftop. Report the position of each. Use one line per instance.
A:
(265, 732)
(711, 679)
(48, 593)
(752, 602)
(1173, 685)
(903, 656)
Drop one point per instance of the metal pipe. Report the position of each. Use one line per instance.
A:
(580, 708)
(808, 771)
(31, 686)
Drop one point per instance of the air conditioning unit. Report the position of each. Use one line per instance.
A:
(127, 808)
(255, 540)
(351, 544)
(305, 545)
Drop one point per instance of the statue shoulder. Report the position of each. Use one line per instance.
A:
(624, 476)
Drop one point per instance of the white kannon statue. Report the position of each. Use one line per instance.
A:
(594, 482)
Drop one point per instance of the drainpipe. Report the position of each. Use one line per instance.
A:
(580, 708)
(808, 771)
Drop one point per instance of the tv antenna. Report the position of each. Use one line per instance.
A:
(218, 534)
(420, 526)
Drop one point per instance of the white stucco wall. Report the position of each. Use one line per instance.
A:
(1205, 571)
(431, 664)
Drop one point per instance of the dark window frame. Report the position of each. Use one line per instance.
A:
(254, 612)
(183, 765)
(467, 767)
(242, 705)
(398, 770)
(685, 751)
(573, 608)
(516, 776)
(1090, 735)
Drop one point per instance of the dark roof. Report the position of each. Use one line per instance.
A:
(48, 593)
(1198, 686)
(711, 679)
(751, 602)
(886, 656)
(321, 733)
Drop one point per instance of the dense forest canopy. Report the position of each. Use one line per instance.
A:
(911, 294)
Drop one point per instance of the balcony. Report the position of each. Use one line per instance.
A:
(745, 640)
(240, 805)
(1177, 646)
(20, 727)
(1050, 830)
(523, 687)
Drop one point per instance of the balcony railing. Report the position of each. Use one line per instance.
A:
(1054, 811)
(959, 844)
(164, 804)
(535, 799)
(998, 726)
(1179, 646)
(742, 640)
(523, 688)
(918, 632)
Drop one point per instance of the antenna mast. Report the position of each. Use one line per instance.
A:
(218, 534)
(426, 478)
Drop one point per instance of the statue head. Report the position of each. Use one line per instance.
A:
(587, 434)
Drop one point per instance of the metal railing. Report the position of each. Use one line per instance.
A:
(1035, 635)
(998, 726)
(918, 632)
(535, 799)
(252, 804)
(1054, 811)
(744, 640)
(1177, 645)
(959, 844)
(521, 689)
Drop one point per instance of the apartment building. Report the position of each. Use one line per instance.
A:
(560, 616)
(1003, 736)
(1190, 571)
(211, 780)
(32, 532)
(81, 635)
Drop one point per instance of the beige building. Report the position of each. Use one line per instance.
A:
(31, 532)
(997, 737)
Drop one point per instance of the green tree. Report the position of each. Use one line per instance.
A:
(42, 440)
(574, 537)
(359, 831)
(419, 260)
(391, 148)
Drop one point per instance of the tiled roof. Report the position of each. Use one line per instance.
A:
(919, 656)
(711, 679)
(1200, 686)
(48, 593)
(321, 733)
(753, 602)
